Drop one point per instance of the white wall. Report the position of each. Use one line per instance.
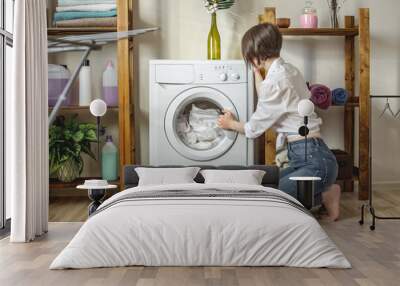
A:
(184, 27)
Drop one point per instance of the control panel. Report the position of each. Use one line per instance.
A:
(221, 72)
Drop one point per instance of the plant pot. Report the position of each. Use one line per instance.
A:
(68, 172)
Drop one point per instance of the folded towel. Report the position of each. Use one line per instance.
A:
(87, 7)
(339, 96)
(61, 16)
(88, 22)
(81, 2)
(321, 96)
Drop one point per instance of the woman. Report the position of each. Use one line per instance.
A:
(278, 97)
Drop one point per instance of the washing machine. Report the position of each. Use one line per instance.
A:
(186, 98)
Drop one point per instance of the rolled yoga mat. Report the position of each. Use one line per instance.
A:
(321, 96)
(339, 96)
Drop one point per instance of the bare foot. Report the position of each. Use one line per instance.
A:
(331, 201)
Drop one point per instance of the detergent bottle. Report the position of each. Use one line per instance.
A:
(110, 85)
(109, 160)
(85, 84)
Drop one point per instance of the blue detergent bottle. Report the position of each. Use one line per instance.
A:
(109, 160)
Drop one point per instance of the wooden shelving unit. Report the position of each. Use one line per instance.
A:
(126, 88)
(125, 70)
(349, 32)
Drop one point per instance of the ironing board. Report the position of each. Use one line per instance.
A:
(85, 44)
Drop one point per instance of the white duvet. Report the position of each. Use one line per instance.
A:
(200, 231)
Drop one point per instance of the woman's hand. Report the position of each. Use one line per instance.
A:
(228, 121)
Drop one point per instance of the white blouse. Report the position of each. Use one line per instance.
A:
(278, 97)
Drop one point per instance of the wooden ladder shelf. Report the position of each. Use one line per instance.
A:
(125, 77)
(350, 32)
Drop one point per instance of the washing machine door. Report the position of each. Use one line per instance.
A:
(191, 127)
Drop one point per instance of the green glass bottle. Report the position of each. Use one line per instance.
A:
(214, 40)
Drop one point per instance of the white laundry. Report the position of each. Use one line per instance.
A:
(281, 156)
(199, 129)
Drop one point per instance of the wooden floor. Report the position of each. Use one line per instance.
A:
(375, 256)
(68, 209)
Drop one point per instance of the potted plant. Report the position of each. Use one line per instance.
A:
(68, 139)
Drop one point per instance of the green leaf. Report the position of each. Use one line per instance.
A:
(91, 135)
(64, 157)
(78, 136)
(77, 150)
(68, 134)
(221, 4)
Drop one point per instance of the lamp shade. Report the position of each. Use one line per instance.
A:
(98, 107)
(305, 107)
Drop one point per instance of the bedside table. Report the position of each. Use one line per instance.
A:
(305, 190)
(96, 194)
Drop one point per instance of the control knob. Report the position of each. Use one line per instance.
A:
(235, 76)
(223, 77)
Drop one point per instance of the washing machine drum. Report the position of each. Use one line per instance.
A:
(191, 124)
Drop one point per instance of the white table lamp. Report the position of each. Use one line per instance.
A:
(305, 185)
(98, 108)
(305, 109)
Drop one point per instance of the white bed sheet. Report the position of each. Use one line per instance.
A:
(200, 232)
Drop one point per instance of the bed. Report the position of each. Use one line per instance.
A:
(201, 224)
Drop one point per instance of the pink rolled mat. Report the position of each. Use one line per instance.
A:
(321, 96)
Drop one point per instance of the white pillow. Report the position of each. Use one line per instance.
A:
(247, 177)
(166, 176)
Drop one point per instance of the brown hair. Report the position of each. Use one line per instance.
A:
(261, 42)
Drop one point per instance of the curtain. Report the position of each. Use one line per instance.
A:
(26, 124)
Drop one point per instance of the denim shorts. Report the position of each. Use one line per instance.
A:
(321, 162)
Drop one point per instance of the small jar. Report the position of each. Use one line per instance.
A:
(309, 18)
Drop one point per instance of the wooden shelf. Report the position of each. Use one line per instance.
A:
(319, 32)
(125, 71)
(362, 101)
(79, 31)
(56, 185)
(78, 108)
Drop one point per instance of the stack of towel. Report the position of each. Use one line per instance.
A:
(88, 13)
